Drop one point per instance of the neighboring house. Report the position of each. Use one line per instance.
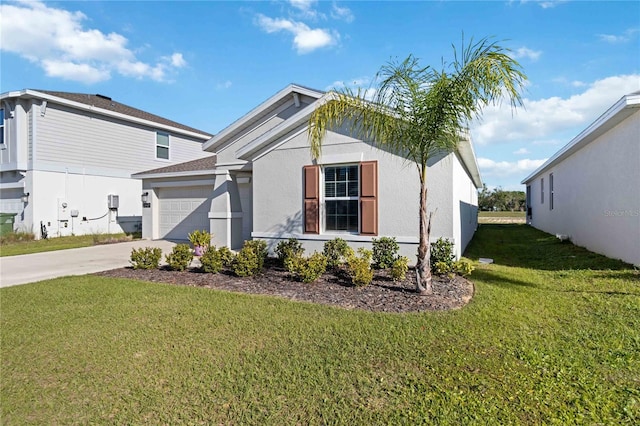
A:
(264, 185)
(66, 160)
(589, 191)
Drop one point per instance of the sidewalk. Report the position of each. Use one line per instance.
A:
(29, 268)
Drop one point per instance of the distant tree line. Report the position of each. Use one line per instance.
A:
(500, 200)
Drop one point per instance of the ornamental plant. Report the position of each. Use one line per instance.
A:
(385, 251)
(336, 252)
(146, 258)
(359, 266)
(400, 268)
(289, 248)
(306, 269)
(180, 257)
(211, 261)
(442, 256)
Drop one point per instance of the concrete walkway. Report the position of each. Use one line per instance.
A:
(29, 268)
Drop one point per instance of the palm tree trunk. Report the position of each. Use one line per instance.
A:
(423, 266)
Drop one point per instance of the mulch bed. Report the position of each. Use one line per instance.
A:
(333, 288)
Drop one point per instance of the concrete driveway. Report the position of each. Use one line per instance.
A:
(29, 268)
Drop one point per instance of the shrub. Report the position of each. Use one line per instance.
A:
(200, 238)
(146, 258)
(463, 267)
(289, 248)
(180, 257)
(336, 251)
(385, 251)
(307, 269)
(250, 260)
(211, 260)
(226, 256)
(399, 268)
(442, 255)
(360, 267)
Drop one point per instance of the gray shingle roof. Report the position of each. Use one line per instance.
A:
(107, 103)
(207, 163)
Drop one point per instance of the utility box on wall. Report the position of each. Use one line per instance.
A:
(113, 201)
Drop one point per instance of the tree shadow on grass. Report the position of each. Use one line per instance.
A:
(523, 246)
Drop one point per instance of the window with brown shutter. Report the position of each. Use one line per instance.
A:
(312, 199)
(369, 198)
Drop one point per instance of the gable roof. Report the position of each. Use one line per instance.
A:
(625, 107)
(106, 106)
(194, 167)
(264, 108)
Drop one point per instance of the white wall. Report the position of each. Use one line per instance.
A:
(597, 194)
(464, 207)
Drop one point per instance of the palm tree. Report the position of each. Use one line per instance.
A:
(421, 112)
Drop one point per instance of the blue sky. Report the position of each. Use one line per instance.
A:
(207, 63)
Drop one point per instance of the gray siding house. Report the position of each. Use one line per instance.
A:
(589, 191)
(264, 185)
(66, 160)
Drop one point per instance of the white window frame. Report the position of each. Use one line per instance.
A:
(2, 139)
(167, 147)
(324, 199)
(550, 191)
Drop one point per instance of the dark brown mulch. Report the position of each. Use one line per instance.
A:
(382, 295)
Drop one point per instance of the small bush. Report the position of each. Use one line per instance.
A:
(146, 258)
(399, 268)
(211, 261)
(463, 267)
(307, 269)
(336, 251)
(385, 251)
(360, 267)
(250, 260)
(289, 248)
(180, 257)
(226, 256)
(200, 238)
(442, 255)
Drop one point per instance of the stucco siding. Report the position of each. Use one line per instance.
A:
(596, 194)
(465, 206)
(83, 140)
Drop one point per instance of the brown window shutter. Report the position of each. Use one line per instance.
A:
(312, 199)
(369, 198)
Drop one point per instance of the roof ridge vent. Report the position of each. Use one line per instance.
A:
(103, 97)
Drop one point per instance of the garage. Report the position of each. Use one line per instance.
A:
(183, 210)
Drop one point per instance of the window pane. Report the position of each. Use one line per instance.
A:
(353, 189)
(343, 207)
(162, 152)
(329, 174)
(162, 139)
(341, 189)
(329, 189)
(331, 207)
(353, 173)
(353, 223)
(341, 173)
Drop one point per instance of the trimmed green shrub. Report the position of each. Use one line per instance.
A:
(463, 267)
(146, 258)
(307, 269)
(442, 256)
(200, 238)
(226, 256)
(180, 257)
(289, 248)
(336, 251)
(385, 251)
(399, 268)
(211, 260)
(250, 259)
(360, 267)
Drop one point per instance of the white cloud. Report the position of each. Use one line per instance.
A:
(221, 86)
(305, 39)
(545, 4)
(525, 52)
(628, 35)
(304, 5)
(544, 118)
(56, 40)
(490, 168)
(522, 151)
(341, 13)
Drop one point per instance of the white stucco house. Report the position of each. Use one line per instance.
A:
(264, 184)
(66, 160)
(589, 191)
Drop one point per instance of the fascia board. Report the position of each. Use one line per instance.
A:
(173, 174)
(220, 138)
(622, 109)
(468, 157)
(85, 107)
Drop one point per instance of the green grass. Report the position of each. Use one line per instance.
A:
(501, 214)
(14, 248)
(552, 336)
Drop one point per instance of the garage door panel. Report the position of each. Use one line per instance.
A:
(183, 210)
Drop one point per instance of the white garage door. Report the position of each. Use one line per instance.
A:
(183, 210)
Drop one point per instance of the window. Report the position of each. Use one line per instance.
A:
(341, 198)
(1, 126)
(162, 145)
(551, 191)
(541, 190)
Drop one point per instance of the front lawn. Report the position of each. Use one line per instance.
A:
(551, 336)
(10, 247)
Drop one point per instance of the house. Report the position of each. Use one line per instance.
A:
(264, 185)
(589, 191)
(66, 160)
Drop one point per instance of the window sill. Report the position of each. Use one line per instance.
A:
(329, 236)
